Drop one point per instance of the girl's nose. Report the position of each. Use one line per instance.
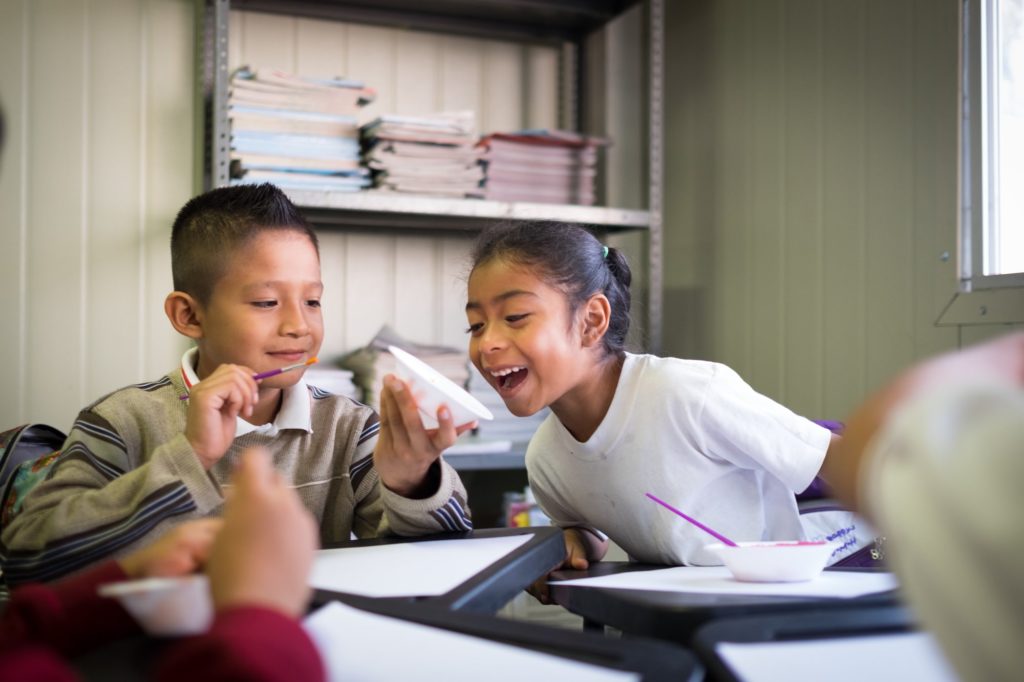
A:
(491, 340)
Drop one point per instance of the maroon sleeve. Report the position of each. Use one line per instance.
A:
(245, 643)
(67, 617)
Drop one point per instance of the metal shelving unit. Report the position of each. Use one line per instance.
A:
(564, 23)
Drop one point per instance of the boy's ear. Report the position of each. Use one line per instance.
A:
(184, 313)
(596, 315)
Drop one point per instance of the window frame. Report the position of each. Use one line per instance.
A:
(978, 121)
(979, 298)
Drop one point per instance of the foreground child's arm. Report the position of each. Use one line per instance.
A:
(44, 622)
(259, 571)
(1001, 360)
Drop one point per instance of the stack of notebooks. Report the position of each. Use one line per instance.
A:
(373, 362)
(505, 425)
(299, 133)
(433, 155)
(333, 380)
(546, 166)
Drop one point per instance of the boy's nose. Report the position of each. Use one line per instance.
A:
(294, 323)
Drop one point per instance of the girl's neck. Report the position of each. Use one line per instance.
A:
(582, 409)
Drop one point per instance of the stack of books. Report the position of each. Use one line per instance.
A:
(299, 133)
(433, 155)
(546, 166)
(505, 425)
(333, 380)
(373, 362)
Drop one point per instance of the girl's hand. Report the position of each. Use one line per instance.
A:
(214, 405)
(575, 558)
(180, 551)
(406, 450)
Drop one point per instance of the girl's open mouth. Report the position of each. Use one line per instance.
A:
(510, 379)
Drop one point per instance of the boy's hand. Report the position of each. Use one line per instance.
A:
(575, 558)
(405, 449)
(214, 405)
(264, 553)
(180, 551)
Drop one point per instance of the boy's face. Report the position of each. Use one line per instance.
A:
(264, 312)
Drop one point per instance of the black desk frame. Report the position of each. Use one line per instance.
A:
(491, 588)
(676, 616)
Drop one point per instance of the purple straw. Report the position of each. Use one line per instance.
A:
(695, 522)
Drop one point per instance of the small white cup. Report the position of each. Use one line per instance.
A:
(166, 607)
(774, 562)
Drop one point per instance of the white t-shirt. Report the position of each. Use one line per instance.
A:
(945, 480)
(694, 434)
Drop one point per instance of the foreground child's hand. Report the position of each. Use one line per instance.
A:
(575, 558)
(406, 450)
(180, 551)
(214, 405)
(264, 553)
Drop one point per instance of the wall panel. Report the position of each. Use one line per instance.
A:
(816, 145)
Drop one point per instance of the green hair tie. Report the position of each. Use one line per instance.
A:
(605, 254)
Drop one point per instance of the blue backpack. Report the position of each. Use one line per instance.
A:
(27, 453)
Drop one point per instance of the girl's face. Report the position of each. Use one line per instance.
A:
(521, 337)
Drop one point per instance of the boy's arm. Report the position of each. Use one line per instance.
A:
(100, 499)
(379, 511)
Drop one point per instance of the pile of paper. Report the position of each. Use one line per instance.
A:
(433, 155)
(373, 362)
(546, 166)
(296, 132)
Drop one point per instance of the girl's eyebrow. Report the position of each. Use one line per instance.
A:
(473, 305)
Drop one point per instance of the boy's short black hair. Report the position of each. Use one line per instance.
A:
(214, 225)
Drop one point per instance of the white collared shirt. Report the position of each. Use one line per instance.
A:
(293, 414)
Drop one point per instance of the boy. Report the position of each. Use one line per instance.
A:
(246, 269)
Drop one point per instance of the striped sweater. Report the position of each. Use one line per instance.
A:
(127, 474)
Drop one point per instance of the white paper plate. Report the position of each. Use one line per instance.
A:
(432, 389)
(166, 606)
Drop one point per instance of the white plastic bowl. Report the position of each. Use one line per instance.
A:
(168, 607)
(433, 389)
(774, 562)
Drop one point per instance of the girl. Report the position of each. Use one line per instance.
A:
(548, 310)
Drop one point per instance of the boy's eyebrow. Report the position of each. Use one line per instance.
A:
(473, 305)
(274, 283)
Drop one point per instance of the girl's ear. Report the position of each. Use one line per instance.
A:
(184, 313)
(596, 315)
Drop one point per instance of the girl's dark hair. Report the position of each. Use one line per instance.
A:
(570, 258)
